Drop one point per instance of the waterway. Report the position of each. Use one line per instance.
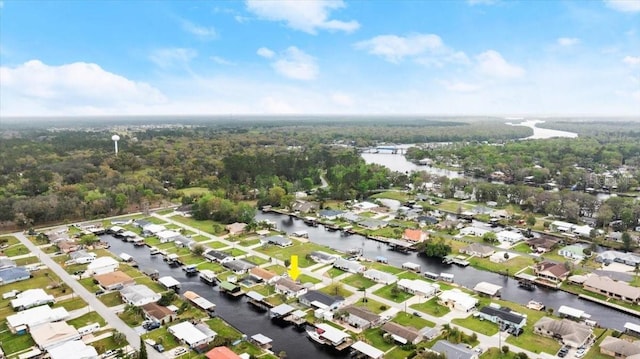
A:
(236, 312)
(541, 133)
(467, 277)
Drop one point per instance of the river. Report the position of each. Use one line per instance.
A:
(541, 133)
(236, 312)
(467, 277)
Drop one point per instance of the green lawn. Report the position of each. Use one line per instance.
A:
(511, 266)
(16, 250)
(246, 347)
(216, 267)
(374, 337)
(111, 299)
(341, 291)
(493, 353)
(223, 329)
(131, 317)
(257, 260)
(371, 305)
(194, 191)
(386, 292)
(11, 240)
(12, 343)
(162, 336)
(399, 353)
(105, 344)
(298, 248)
(192, 258)
(522, 248)
(481, 326)
(303, 278)
(216, 245)
(385, 268)
(153, 285)
(250, 242)
(410, 320)
(72, 304)
(200, 238)
(207, 226)
(410, 275)
(534, 342)
(358, 281)
(277, 269)
(334, 272)
(91, 317)
(432, 307)
(397, 195)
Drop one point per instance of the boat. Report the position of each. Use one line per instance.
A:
(208, 276)
(535, 305)
(381, 259)
(153, 251)
(190, 270)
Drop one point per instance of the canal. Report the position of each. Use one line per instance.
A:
(467, 276)
(236, 312)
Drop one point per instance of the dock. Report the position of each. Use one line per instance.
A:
(200, 302)
(297, 318)
(258, 300)
(526, 281)
(457, 260)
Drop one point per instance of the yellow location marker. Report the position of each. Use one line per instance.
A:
(294, 271)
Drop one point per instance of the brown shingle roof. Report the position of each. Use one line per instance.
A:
(156, 311)
(621, 347)
(362, 313)
(262, 273)
(109, 279)
(408, 333)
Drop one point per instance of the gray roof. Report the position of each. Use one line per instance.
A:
(362, 313)
(503, 313)
(372, 223)
(330, 213)
(452, 351)
(214, 254)
(14, 274)
(317, 296)
(278, 240)
(239, 265)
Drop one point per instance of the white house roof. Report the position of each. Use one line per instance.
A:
(261, 339)
(380, 275)
(154, 228)
(367, 350)
(168, 281)
(255, 295)
(509, 236)
(633, 327)
(410, 265)
(299, 314)
(571, 312)
(417, 285)
(188, 333)
(462, 298)
(332, 334)
(166, 234)
(74, 349)
(139, 293)
(37, 315)
(31, 296)
(101, 262)
(282, 309)
(487, 288)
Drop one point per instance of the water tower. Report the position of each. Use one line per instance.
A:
(115, 139)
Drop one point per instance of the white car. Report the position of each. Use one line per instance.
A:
(580, 353)
(179, 351)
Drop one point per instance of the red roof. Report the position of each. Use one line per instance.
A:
(415, 235)
(221, 353)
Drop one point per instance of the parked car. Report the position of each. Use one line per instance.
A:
(158, 347)
(99, 292)
(151, 325)
(179, 351)
(580, 353)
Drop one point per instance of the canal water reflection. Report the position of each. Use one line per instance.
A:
(467, 277)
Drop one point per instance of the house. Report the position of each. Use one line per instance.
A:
(289, 288)
(574, 252)
(427, 220)
(183, 242)
(169, 282)
(417, 287)
(570, 333)
(554, 272)
(402, 334)
(473, 231)
(380, 276)
(612, 288)
(221, 353)
(102, 265)
(351, 217)
(629, 259)
(31, 298)
(509, 237)
(318, 299)
(365, 206)
(304, 206)
(349, 266)
(166, 236)
(619, 348)
(543, 243)
(414, 235)
(372, 224)
(330, 214)
(73, 349)
(239, 266)
(235, 228)
(263, 275)
(114, 280)
(329, 335)
(50, 335)
(361, 318)
(450, 350)
(477, 250)
(322, 257)
(152, 229)
(11, 275)
(368, 351)
(213, 255)
(31, 318)
(81, 257)
(457, 299)
(192, 335)
(68, 246)
(139, 295)
(184, 210)
(503, 316)
(277, 240)
(158, 313)
(5, 263)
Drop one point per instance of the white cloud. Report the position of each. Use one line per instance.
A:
(568, 41)
(459, 86)
(342, 99)
(296, 64)
(491, 63)
(69, 89)
(395, 48)
(631, 60)
(624, 5)
(204, 33)
(222, 61)
(265, 52)
(307, 16)
(276, 106)
(482, 2)
(172, 57)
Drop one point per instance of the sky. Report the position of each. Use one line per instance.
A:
(425, 57)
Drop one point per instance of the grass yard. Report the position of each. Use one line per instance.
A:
(374, 337)
(452, 206)
(533, 342)
(397, 195)
(410, 275)
(431, 307)
(216, 267)
(16, 250)
(277, 269)
(153, 285)
(200, 238)
(303, 278)
(250, 242)
(12, 343)
(334, 272)
(165, 211)
(223, 329)
(71, 304)
(235, 252)
(257, 260)
(493, 353)
(358, 281)
(162, 336)
(385, 268)
(11, 240)
(105, 344)
(481, 326)
(89, 318)
(371, 305)
(207, 226)
(399, 353)
(249, 348)
(298, 248)
(192, 259)
(410, 320)
(216, 245)
(511, 266)
(111, 299)
(387, 292)
(194, 191)
(336, 290)
(131, 317)
(522, 248)
(89, 285)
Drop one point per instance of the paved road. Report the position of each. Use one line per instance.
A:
(114, 321)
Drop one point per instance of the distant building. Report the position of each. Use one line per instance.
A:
(612, 289)
(450, 350)
(349, 266)
(322, 257)
(571, 333)
(372, 224)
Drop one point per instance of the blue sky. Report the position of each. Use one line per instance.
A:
(475, 57)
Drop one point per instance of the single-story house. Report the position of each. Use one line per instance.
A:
(239, 266)
(304, 206)
(10, 275)
(417, 287)
(361, 318)
(277, 240)
(73, 349)
(330, 214)
(263, 275)
(102, 265)
(380, 276)
(318, 299)
(503, 316)
(619, 348)
(31, 318)
(50, 335)
(457, 299)
(372, 224)
(139, 295)
(365, 206)
(414, 235)
(473, 231)
(509, 236)
(478, 250)
(349, 266)
(487, 288)
(114, 280)
(402, 334)
(450, 350)
(213, 255)
(574, 251)
(81, 257)
(289, 288)
(192, 335)
(68, 246)
(322, 257)
(367, 350)
(236, 228)
(543, 243)
(31, 298)
(612, 288)
(153, 229)
(167, 236)
(158, 313)
(554, 272)
(570, 333)
(221, 353)
(351, 217)
(629, 259)
(5, 263)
